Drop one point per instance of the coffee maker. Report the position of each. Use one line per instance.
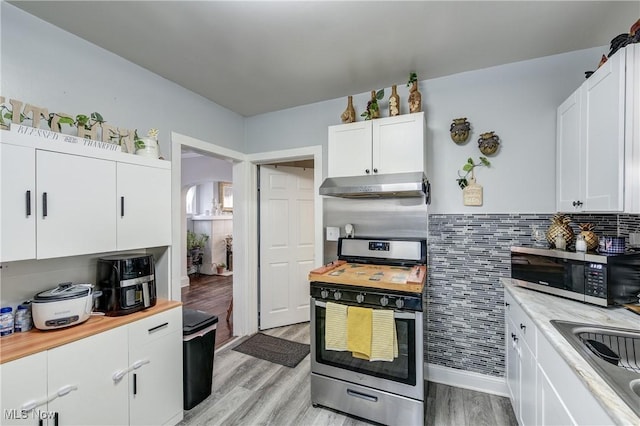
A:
(127, 283)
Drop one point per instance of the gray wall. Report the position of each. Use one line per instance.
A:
(518, 101)
(48, 67)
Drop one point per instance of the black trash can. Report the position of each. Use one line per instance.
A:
(198, 345)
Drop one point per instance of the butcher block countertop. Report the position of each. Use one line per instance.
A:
(19, 345)
(400, 278)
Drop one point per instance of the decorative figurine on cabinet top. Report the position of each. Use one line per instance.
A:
(415, 98)
(373, 110)
(488, 143)
(460, 130)
(349, 114)
(394, 102)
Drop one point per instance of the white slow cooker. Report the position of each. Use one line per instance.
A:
(66, 305)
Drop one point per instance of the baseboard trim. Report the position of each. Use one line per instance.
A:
(184, 281)
(466, 379)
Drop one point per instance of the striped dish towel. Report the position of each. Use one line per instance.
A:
(335, 331)
(384, 339)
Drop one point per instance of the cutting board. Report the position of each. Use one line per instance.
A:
(409, 279)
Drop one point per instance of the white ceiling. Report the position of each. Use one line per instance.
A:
(256, 57)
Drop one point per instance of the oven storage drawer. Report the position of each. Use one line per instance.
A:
(365, 402)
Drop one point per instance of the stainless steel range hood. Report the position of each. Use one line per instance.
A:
(393, 185)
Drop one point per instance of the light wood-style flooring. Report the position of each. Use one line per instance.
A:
(211, 294)
(251, 391)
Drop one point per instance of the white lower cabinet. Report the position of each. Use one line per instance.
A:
(552, 410)
(156, 387)
(85, 369)
(521, 363)
(544, 389)
(129, 375)
(23, 381)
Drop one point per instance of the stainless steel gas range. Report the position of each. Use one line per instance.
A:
(381, 274)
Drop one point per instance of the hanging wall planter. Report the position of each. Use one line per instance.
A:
(488, 143)
(460, 130)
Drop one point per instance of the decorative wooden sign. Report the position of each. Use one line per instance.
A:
(472, 194)
(47, 134)
(98, 135)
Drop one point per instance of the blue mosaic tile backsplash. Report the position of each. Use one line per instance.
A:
(467, 255)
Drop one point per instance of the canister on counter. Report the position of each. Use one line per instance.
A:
(23, 320)
(6, 321)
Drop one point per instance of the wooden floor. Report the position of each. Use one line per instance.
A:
(251, 391)
(211, 294)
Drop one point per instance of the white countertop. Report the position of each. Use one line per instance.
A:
(543, 307)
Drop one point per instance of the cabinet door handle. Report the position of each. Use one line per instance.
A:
(44, 204)
(367, 171)
(28, 203)
(157, 327)
(56, 418)
(507, 304)
(375, 170)
(577, 203)
(135, 383)
(523, 327)
(121, 206)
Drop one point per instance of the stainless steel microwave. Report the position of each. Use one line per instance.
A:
(594, 278)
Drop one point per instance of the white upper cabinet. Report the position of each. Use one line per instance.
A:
(592, 137)
(18, 186)
(59, 200)
(379, 146)
(398, 144)
(144, 206)
(77, 213)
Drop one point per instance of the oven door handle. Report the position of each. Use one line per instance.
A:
(396, 314)
(361, 395)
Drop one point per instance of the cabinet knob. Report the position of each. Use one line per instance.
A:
(507, 304)
(523, 327)
(375, 170)
(577, 203)
(367, 171)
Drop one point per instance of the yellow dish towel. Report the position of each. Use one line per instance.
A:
(384, 339)
(359, 331)
(335, 331)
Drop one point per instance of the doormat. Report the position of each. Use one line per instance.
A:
(274, 349)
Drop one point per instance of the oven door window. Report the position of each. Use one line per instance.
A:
(402, 369)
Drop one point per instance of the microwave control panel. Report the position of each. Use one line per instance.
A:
(596, 280)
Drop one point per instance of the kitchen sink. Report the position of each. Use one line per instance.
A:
(613, 352)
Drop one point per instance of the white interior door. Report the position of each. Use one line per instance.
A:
(286, 244)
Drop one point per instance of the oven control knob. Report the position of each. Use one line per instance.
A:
(337, 295)
(360, 298)
(324, 294)
(384, 301)
(399, 303)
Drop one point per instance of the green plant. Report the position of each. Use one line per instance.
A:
(221, 265)
(139, 143)
(6, 113)
(81, 120)
(195, 241)
(413, 77)
(468, 168)
(372, 105)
